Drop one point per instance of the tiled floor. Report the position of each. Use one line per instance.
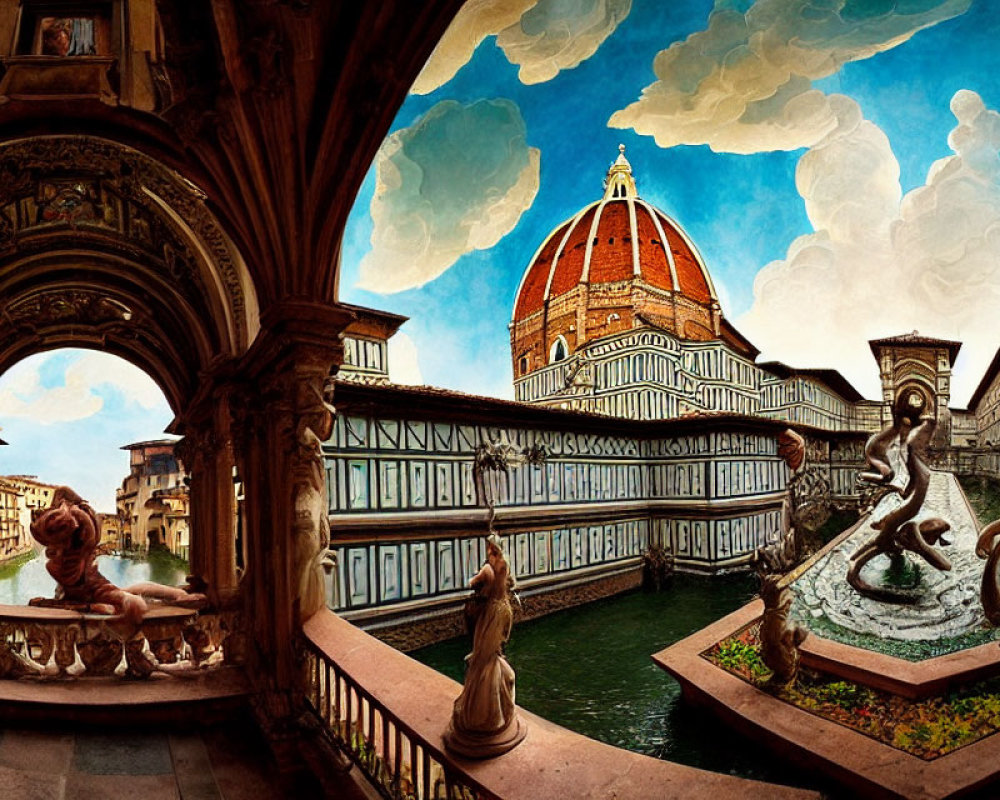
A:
(225, 762)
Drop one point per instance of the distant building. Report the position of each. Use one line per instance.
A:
(366, 352)
(617, 314)
(153, 501)
(20, 495)
(35, 495)
(111, 529)
(14, 538)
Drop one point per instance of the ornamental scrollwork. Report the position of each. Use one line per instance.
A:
(90, 183)
(65, 306)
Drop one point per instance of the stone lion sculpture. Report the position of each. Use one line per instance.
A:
(70, 532)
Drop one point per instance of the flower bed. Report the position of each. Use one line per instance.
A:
(926, 728)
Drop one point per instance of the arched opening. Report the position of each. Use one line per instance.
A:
(92, 422)
(559, 350)
(118, 254)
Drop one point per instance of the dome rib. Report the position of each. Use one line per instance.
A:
(665, 243)
(634, 226)
(695, 256)
(529, 278)
(616, 239)
(569, 274)
(589, 253)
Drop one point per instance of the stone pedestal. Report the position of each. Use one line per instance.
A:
(475, 744)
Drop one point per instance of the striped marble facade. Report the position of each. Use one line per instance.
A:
(407, 523)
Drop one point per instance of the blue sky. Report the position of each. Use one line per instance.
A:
(65, 414)
(742, 209)
(856, 194)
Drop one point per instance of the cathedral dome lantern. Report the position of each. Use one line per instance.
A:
(619, 263)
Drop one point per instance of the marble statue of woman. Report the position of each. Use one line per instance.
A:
(484, 722)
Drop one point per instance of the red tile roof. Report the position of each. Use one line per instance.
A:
(612, 246)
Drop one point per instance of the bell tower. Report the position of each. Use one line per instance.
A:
(922, 363)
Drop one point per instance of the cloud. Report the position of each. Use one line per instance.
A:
(744, 84)
(74, 395)
(475, 20)
(559, 34)
(457, 180)
(404, 362)
(542, 37)
(879, 265)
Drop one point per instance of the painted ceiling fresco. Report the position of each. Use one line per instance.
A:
(835, 161)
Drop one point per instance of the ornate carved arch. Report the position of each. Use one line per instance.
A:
(102, 246)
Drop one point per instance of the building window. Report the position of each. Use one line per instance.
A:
(524, 364)
(559, 350)
(65, 29)
(67, 36)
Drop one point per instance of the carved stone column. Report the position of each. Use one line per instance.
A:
(206, 452)
(281, 417)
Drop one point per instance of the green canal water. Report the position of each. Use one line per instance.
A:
(589, 670)
(25, 577)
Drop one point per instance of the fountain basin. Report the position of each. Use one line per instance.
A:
(946, 617)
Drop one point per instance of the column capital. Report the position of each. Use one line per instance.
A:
(304, 333)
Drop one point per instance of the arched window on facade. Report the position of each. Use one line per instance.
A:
(559, 350)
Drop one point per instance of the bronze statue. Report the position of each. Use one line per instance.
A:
(805, 508)
(781, 556)
(987, 547)
(779, 638)
(70, 532)
(484, 720)
(897, 531)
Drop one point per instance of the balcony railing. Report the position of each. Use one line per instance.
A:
(57, 643)
(396, 760)
(388, 712)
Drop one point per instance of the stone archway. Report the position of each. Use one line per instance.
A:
(102, 247)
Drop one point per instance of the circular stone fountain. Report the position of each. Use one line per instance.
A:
(946, 615)
(900, 657)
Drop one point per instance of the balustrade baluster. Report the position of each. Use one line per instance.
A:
(386, 757)
(359, 721)
(411, 763)
(425, 763)
(371, 723)
(316, 687)
(397, 757)
(348, 717)
(337, 704)
(327, 698)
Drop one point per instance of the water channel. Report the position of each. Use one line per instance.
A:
(589, 669)
(25, 577)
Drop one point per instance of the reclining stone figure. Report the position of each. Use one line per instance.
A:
(70, 532)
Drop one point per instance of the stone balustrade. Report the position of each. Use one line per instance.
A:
(58, 643)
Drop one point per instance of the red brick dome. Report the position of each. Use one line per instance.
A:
(619, 238)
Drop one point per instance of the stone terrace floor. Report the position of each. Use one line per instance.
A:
(220, 762)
